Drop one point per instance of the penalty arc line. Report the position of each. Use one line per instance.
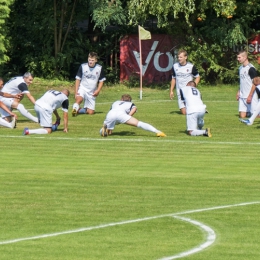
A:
(211, 237)
(124, 222)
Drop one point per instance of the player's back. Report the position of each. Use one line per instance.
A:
(192, 98)
(52, 98)
(123, 106)
(11, 86)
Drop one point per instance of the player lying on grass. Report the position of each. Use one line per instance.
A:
(195, 110)
(121, 112)
(45, 106)
(251, 120)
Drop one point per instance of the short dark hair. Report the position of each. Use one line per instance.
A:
(192, 84)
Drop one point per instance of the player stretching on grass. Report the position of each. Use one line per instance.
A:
(122, 112)
(89, 82)
(45, 106)
(16, 86)
(195, 110)
(251, 120)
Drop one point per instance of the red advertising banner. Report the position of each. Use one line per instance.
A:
(156, 58)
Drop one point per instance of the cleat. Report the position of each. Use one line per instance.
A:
(13, 123)
(161, 134)
(25, 131)
(74, 112)
(207, 132)
(104, 131)
(245, 121)
(206, 112)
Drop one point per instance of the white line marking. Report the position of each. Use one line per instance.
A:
(137, 140)
(124, 223)
(211, 237)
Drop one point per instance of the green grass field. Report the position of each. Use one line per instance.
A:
(132, 195)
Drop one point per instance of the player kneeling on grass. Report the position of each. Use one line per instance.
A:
(256, 113)
(195, 110)
(122, 112)
(45, 106)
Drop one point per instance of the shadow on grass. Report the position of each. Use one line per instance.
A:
(124, 133)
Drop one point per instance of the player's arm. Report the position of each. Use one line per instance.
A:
(173, 82)
(30, 97)
(196, 75)
(197, 80)
(4, 107)
(77, 83)
(100, 85)
(7, 95)
(252, 73)
(65, 121)
(132, 111)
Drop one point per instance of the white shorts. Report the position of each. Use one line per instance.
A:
(44, 115)
(8, 102)
(115, 117)
(89, 99)
(193, 120)
(244, 107)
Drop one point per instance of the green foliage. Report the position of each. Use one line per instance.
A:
(106, 13)
(4, 43)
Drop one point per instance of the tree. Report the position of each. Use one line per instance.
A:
(4, 14)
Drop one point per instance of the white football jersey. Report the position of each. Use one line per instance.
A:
(52, 100)
(192, 98)
(15, 86)
(246, 75)
(184, 73)
(89, 77)
(125, 106)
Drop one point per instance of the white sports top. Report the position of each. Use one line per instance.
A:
(192, 98)
(52, 100)
(15, 86)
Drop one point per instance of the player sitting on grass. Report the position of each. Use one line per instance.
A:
(251, 120)
(45, 106)
(122, 112)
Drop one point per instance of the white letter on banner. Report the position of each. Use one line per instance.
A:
(148, 59)
(156, 61)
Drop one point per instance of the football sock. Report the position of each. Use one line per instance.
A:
(82, 111)
(75, 106)
(147, 127)
(198, 132)
(40, 131)
(5, 123)
(255, 114)
(27, 114)
(200, 123)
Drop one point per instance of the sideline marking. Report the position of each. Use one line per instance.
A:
(125, 222)
(137, 140)
(211, 237)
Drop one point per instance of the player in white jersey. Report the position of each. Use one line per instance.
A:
(121, 112)
(45, 106)
(195, 110)
(18, 86)
(89, 81)
(182, 72)
(250, 121)
(246, 95)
